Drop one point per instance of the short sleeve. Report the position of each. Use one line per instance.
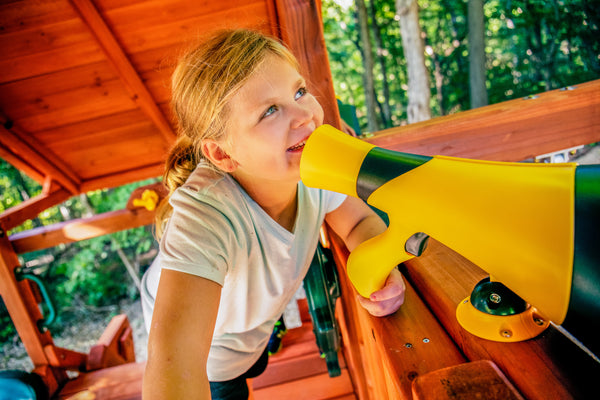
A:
(196, 239)
(333, 200)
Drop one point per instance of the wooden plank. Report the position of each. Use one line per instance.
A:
(123, 382)
(48, 61)
(152, 24)
(408, 343)
(123, 177)
(80, 229)
(514, 130)
(318, 387)
(13, 138)
(353, 335)
(27, 92)
(23, 309)
(115, 346)
(19, 15)
(20, 164)
(41, 38)
(84, 103)
(279, 372)
(113, 151)
(55, 45)
(89, 133)
(470, 381)
(549, 366)
(29, 209)
(137, 17)
(64, 358)
(121, 63)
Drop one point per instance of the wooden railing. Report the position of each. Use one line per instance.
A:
(388, 357)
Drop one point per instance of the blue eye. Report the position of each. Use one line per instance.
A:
(270, 111)
(301, 92)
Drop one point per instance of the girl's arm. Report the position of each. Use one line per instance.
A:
(354, 221)
(180, 335)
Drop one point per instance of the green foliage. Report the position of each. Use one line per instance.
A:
(531, 46)
(89, 272)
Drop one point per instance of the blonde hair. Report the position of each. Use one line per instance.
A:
(203, 83)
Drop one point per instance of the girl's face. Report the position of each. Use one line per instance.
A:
(271, 117)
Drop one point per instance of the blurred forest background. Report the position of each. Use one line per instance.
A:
(394, 62)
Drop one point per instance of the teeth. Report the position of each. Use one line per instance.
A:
(298, 146)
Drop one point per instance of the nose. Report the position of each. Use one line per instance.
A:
(301, 115)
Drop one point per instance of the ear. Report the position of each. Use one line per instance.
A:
(218, 156)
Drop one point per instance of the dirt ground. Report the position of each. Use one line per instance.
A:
(82, 335)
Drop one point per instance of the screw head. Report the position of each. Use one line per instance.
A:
(495, 298)
(506, 333)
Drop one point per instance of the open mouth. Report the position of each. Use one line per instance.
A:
(297, 147)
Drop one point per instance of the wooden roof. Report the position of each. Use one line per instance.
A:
(85, 85)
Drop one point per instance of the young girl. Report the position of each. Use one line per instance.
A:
(240, 229)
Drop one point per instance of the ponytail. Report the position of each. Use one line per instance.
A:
(181, 162)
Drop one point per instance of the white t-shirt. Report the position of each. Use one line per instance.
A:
(218, 232)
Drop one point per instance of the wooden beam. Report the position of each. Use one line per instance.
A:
(21, 164)
(80, 229)
(29, 209)
(22, 306)
(469, 381)
(513, 130)
(123, 177)
(406, 344)
(119, 60)
(548, 366)
(36, 155)
(301, 29)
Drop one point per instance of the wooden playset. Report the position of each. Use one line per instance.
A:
(84, 106)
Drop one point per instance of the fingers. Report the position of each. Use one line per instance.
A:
(387, 300)
(394, 287)
(383, 308)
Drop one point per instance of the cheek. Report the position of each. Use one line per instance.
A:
(318, 112)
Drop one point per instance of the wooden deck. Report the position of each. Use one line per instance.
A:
(297, 368)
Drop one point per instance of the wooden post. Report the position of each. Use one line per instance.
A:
(301, 29)
(23, 309)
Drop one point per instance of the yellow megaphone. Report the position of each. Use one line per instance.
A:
(533, 227)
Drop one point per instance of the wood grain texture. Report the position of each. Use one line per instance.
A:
(514, 130)
(548, 366)
(387, 354)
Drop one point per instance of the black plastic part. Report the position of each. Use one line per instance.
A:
(583, 314)
(381, 166)
(496, 299)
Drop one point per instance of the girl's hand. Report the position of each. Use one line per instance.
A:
(388, 299)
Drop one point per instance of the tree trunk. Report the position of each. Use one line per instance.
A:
(385, 107)
(25, 195)
(418, 78)
(367, 53)
(477, 70)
